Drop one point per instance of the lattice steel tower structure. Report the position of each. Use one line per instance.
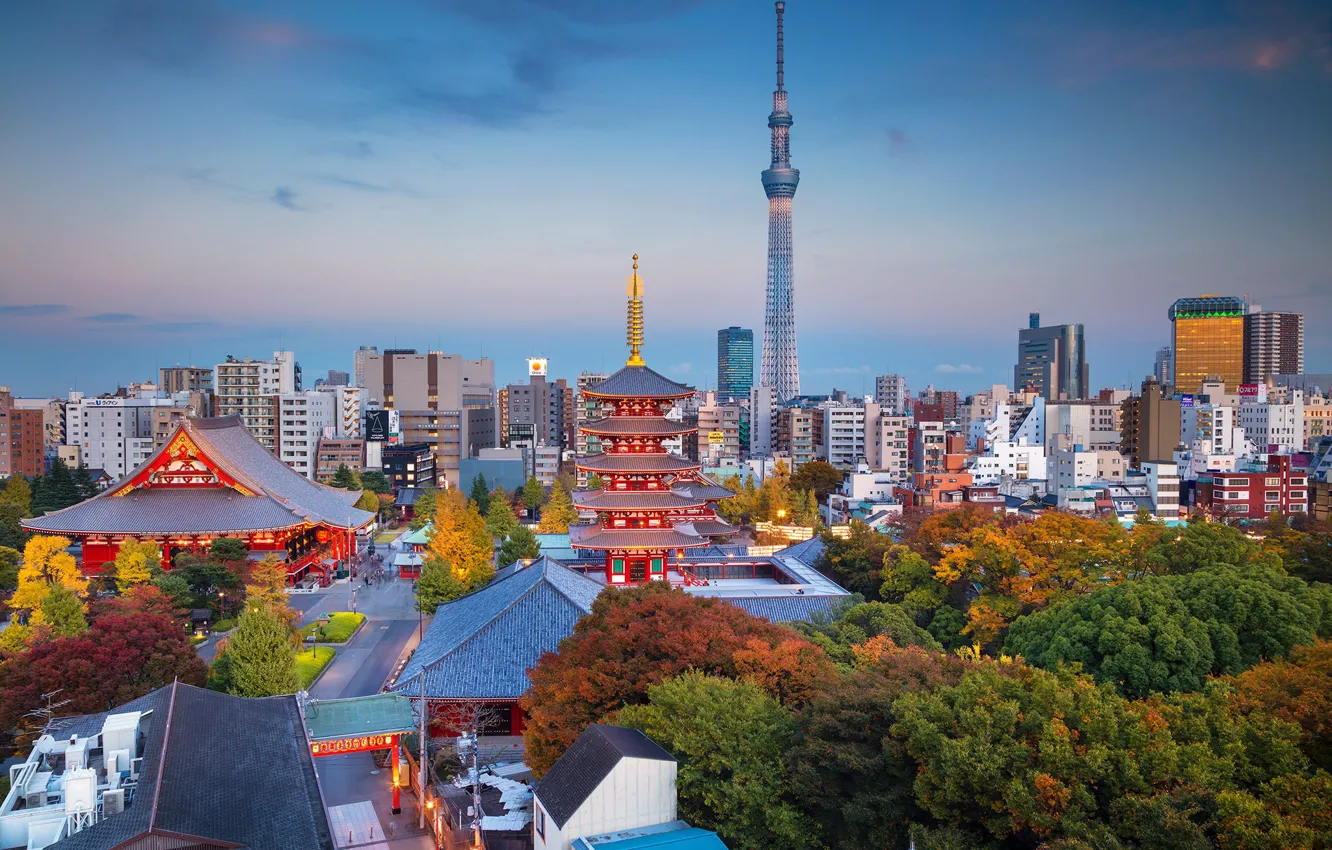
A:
(780, 368)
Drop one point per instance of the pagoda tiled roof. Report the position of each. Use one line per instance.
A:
(597, 537)
(655, 462)
(701, 490)
(713, 527)
(629, 426)
(638, 382)
(623, 500)
(279, 497)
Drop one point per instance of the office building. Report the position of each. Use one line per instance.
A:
(1255, 493)
(1164, 367)
(1163, 487)
(1207, 341)
(762, 420)
(1151, 425)
(735, 363)
(410, 465)
(185, 379)
(443, 400)
(541, 405)
(118, 434)
(1053, 360)
(718, 426)
(333, 452)
(1273, 345)
(892, 395)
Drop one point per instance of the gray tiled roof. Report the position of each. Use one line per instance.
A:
(700, 490)
(713, 527)
(808, 551)
(658, 426)
(282, 497)
(638, 382)
(585, 765)
(482, 645)
(228, 770)
(599, 500)
(786, 609)
(151, 511)
(662, 462)
(596, 537)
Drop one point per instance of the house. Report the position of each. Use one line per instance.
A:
(614, 789)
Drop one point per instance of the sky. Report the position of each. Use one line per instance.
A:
(185, 179)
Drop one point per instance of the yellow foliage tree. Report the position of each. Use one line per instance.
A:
(46, 564)
(459, 539)
(559, 513)
(136, 562)
(265, 588)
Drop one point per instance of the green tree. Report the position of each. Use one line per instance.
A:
(57, 490)
(909, 580)
(368, 501)
(594, 482)
(856, 625)
(423, 509)
(344, 478)
(376, 481)
(500, 520)
(533, 495)
(856, 561)
(1202, 544)
(18, 492)
(480, 496)
(61, 612)
(730, 738)
(817, 475)
(136, 563)
(11, 526)
(1169, 633)
(435, 585)
(804, 509)
(83, 483)
(262, 655)
(229, 549)
(559, 513)
(520, 545)
(9, 560)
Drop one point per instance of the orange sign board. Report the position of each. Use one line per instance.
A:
(352, 745)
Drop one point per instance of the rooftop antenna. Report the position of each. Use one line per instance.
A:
(781, 7)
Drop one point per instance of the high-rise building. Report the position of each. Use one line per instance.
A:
(1051, 359)
(718, 429)
(118, 434)
(891, 393)
(762, 420)
(443, 400)
(735, 363)
(1164, 367)
(22, 438)
(1151, 425)
(843, 432)
(1273, 345)
(338, 378)
(538, 408)
(249, 388)
(587, 408)
(887, 441)
(185, 379)
(780, 368)
(359, 357)
(1208, 341)
(795, 434)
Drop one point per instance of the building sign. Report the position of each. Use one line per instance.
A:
(536, 366)
(352, 745)
(716, 438)
(1186, 400)
(377, 426)
(1253, 392)
(394, 426)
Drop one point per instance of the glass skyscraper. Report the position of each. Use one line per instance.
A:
(735, 363)
(1051, 359)
(1208, 340)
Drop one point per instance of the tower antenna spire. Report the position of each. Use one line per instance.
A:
(634, 333)
(781, 368)
(781, 7)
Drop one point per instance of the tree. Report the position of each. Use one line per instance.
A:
(17, 492)
(909, 580)
(804, 509)
(118, 659)
(1297, 690)
(520, 545)
(45, 564)
(558, 514)
(174, 586)
(344, 478)
(265, 589)
(140, 600)
(730, 738)
(435, 585)
(262, 655)
(594, 482)
(857, 560)
(533, 495)
(460, 542)
(11, 526)
(83, 483)
(60, 613)
(854, 778)
(368, 501)
(480, 496)
(229, 549)
(376, 482)
(640, 636)
(55, 490)
(9, 560)
(858, 624)
(137, 562)
(1169, 633)
(423, 509)
(817, 475)
(500, 520)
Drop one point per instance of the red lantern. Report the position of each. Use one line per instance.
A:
(322, 535)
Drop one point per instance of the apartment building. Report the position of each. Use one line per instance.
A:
(22, 437)
(843, 443)
(887, 442)
(1256, 493)
(1272, 426)
(249, 388)
(891, 394)
(795, 435)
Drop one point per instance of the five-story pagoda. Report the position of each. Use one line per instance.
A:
(652, 503)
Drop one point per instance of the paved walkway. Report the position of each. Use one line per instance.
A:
(356, 825)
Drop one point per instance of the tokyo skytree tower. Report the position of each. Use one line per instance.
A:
(780, 369)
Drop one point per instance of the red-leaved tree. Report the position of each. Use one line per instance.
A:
(636, 637)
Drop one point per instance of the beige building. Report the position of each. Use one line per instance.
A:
(887, 442)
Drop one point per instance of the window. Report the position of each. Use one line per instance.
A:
(1272, 495)
(540, 822)
(1272, 482)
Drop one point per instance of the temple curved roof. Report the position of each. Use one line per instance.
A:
(638, 382)
(266, 495)
(597, 537)
(636, 463)
(629, 426)
(702, 490)
(628, 500)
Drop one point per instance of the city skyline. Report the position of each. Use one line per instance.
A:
(174, 165)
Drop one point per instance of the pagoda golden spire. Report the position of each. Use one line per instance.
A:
(635, 332)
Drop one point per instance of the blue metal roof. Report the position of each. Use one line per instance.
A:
(675, 835)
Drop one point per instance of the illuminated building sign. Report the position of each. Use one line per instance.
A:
(536, 366)
(352, 745)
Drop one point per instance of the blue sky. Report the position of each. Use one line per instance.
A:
(186, 179)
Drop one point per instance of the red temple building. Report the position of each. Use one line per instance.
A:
(213, 479)
(652, 504)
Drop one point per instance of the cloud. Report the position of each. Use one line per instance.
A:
(959, 369)
(353, 150)
(584, 12)
(33, 309)
(355, 185)
(898, 142)
(182, 327)
(113, 318)
(285, 197)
